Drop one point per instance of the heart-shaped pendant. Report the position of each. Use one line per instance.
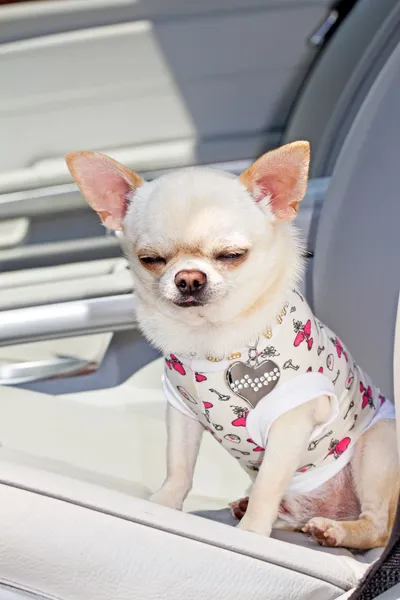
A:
(254, 382)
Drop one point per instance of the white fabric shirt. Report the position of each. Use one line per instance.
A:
(239, 397)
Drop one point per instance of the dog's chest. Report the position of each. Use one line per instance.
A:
(220, 409)
(222, 393)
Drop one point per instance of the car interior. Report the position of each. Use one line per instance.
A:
(161, 85)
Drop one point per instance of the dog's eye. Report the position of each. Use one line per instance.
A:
(152, 261)
(231, 256)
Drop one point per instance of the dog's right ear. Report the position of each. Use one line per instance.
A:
(107, 185)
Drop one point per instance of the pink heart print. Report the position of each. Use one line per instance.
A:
(338, 447)
(241, 413)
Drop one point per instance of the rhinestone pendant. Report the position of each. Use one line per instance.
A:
(252, 383)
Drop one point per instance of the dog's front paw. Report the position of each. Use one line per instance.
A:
(168, 496)
(255, 526)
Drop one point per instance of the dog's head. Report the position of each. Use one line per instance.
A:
(202, 243)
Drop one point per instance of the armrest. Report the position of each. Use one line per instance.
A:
(35, 370)
(68, 319)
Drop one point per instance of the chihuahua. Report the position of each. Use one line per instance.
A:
(216, 262)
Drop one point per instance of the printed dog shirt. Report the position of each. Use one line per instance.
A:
(238, 398)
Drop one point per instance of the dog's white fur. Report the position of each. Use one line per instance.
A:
(205, 209)
(187, 217)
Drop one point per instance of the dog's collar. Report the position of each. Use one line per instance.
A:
(267, 333)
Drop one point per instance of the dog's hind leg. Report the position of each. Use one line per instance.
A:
(376, 477)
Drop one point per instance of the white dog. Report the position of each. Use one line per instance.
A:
(216, 261)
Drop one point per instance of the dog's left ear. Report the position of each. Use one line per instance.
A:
(279, 179)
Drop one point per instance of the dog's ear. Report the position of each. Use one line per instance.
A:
(106, 185)
(279, 179)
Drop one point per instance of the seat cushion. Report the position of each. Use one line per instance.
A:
(83, 465)
(68, 539)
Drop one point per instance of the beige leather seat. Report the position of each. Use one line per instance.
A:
(49, 285)
(75, 473)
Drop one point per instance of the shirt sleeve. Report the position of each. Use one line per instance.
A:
(174, 399)
(297, 391)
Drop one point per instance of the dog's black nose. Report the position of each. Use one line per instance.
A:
(191, 281)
